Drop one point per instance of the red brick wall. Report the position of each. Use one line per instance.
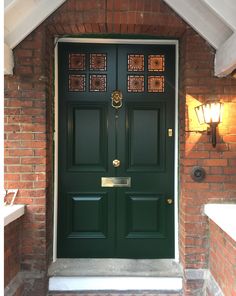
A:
(222, 259)
(12, 251)
(25, 142)
(29, 120)
(198, 85)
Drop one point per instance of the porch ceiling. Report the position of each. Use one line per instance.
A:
(214, 20)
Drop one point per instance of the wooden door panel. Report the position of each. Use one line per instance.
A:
(87, 137)
(87, 215)
(144, 216)
(145, 139)
(153, 238)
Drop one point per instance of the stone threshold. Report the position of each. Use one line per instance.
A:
(116, 267)
(159, 275)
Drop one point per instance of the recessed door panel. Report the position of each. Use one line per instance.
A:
(145, 216)
(87, 214)
(145, 138)
(87, 137)
(116, 157)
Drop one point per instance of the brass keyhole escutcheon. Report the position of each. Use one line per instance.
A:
(116, 163)
(169, 201)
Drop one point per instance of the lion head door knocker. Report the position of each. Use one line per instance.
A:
(116, 99)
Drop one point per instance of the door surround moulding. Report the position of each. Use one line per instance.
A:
(176, 174)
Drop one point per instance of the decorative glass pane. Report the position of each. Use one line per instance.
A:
(156, 63)
(135, 62)
(77, 82)
(155, 83)
(98, 61)
(77, 61)
(98, 82)
(135, 83)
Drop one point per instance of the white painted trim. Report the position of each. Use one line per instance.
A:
(225, 57)
(226, 10)
(212, 285)
(22, 17)
(176, 156)
(200, 17)
(115, 283)
(55, 212)
(176, 160)
(7, 3)
(224, 216)
(11, 213)
(8, 60)
(118, 41)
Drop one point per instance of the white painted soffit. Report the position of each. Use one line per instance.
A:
(225, 58)
(203, 20)
(215, 21)
(225, 10)
(8, 60)
(21, 17)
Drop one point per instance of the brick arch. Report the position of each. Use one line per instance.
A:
(116, 17)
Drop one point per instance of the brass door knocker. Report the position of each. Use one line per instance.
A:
(116, 99)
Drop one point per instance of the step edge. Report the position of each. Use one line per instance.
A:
(164, 284)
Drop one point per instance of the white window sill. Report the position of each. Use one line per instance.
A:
(224, 216)
(12, 213)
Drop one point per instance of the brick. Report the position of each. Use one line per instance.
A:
(222, 256)
(230, 138)
(21, 152)
(24, 70)
(33, 160)
(24, 53)
(214, 162)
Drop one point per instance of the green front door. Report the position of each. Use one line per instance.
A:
(132, 216)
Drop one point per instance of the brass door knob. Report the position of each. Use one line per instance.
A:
(169, 201)
(116, 163)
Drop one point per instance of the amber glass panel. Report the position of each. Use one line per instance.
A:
(98, 61)
(135, 62)
(77, 82)
(77, 61)
(155, 83)
(98, 83)
(135, 83)
(156, 63)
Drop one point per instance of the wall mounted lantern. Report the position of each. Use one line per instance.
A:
(210, 113)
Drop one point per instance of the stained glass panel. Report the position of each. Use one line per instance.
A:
(98, 61)
(155, 83)
(98, 83)
(135, 62)
(77, 82)
(156, 63)
(135, 83)
(77, 61)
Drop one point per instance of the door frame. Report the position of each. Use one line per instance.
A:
(176, 144)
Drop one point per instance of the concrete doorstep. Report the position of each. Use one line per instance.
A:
(115, 277)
